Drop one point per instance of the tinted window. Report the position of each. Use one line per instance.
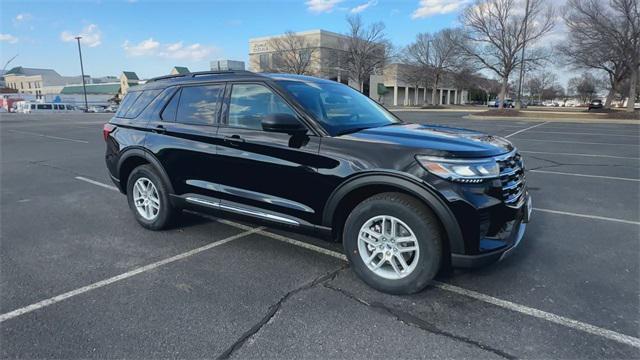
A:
(69, 107)
(251, 102)
(33, 106)
(141, 103)
(339, 108)
(128, 100)
(169, 112)
(44, 106)
(199, 104)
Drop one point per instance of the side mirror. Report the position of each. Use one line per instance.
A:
(283, 123)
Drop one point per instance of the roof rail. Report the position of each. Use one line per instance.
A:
(200, 73)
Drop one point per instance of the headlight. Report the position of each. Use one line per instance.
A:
(462, 170)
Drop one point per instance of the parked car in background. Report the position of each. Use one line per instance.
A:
(26, 107)
(315, 155)
(508, 103)
(595, 104)
(111, 109)
(97, 109)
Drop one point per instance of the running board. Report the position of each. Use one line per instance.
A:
(243, 211)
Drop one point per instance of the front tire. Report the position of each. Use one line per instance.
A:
(393, 243)
(149, 199)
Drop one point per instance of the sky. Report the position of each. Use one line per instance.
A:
(150, 37)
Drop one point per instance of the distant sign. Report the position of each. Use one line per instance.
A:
(260, 47)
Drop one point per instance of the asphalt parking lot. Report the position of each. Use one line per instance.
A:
(81, 279)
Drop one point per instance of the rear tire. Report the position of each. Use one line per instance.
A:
(149, 199)
(393, 243)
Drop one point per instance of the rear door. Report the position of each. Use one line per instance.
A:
(184, 137)
(265, 170)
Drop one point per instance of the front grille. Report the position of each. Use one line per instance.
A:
(512, 177)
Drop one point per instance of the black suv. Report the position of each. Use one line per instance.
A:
(315, 155)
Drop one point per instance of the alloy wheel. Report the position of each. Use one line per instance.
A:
(388, 247)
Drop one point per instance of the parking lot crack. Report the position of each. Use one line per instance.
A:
(275, 308)
(411, 320)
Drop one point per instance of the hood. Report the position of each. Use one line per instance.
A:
(436, 140)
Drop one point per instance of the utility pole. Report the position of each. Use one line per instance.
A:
(524, 44)
(84, 87)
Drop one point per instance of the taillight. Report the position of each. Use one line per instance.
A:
(107, 129)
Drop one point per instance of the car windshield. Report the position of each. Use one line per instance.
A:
(337, 107)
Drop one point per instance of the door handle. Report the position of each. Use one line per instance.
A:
(233, 139)
(159, 129)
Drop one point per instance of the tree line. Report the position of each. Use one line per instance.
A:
(508, 39)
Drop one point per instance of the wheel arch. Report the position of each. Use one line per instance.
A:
(353, 191)
(134, 157)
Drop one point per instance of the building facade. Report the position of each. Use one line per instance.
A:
(39, 82)
(127, 80)
(325, 49)
(224, 65)
(392, 89)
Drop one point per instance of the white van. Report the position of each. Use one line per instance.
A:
(30, 107)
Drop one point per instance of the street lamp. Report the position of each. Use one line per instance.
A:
(84, 87)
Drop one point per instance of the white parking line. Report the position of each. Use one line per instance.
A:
(581, 133)
(48, 136)
(587, 216)
(579, 154)
(525, 129)
(526, 310)
(576, 142)
(110, 187)
(126, 275)
(583, 175)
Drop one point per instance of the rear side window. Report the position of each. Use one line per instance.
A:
(128, 100)
(199, 104)
(141, 103)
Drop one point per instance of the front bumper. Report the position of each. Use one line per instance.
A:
(514, 239)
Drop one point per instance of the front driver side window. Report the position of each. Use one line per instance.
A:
(251, 102)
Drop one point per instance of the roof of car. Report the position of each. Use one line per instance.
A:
(196, 77)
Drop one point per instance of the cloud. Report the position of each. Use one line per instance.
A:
(362, 7)
(91, 35)
(428, 8)
(322, 6)
(23, 17)
(8, 38)
(176, 51)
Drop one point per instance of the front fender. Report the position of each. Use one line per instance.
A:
(406, 183)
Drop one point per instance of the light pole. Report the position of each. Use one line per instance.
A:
(524, 43)
(84, 87)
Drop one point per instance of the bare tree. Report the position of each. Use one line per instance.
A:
(495, 32)
(435, 55)
(292, 54)
(540, 84)
(584, 86)
(605, 35)
(367, 50)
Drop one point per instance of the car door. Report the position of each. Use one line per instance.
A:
(265, 170)
(184, 137)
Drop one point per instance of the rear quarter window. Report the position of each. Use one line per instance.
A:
(128, 100)
(141, 103)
